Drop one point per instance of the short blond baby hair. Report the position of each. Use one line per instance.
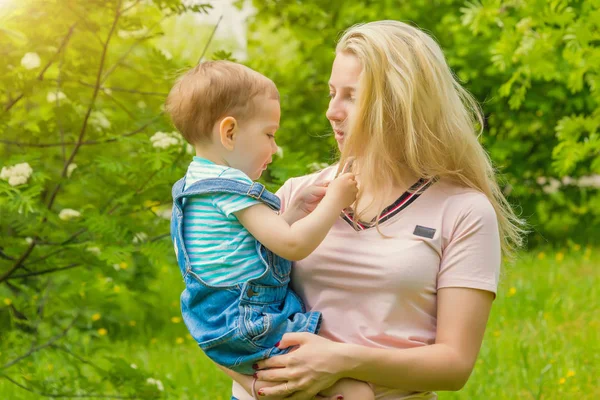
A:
(213, 90)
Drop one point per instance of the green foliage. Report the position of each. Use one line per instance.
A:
(84, 194)
(88, 159)
(533, 65)
(543, 317)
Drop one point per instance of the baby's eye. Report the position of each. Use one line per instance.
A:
(270, 136)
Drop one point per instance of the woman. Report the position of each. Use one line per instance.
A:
(405, 280)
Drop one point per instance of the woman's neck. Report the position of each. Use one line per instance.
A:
(374, 200)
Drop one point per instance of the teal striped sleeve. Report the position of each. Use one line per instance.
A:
(231, 203)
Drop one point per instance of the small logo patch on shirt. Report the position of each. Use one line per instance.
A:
(424, 231)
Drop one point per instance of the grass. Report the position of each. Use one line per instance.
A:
(542, 341)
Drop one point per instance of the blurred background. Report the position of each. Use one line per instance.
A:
(89, 288)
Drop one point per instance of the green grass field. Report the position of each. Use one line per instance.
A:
(542, 341)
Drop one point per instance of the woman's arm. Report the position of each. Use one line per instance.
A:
(247, 381)
(446, 365)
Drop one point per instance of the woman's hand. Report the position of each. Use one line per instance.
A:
(315, 364)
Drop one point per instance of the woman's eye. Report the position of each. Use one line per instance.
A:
(331, 95)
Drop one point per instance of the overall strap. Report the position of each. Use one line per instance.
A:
(255, 190)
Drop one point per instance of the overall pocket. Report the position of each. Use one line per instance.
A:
(255, 324)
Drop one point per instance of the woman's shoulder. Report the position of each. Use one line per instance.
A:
(457, 199)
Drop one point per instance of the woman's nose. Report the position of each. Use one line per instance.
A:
(335, 111)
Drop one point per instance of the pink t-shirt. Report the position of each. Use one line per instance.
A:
(382, 292)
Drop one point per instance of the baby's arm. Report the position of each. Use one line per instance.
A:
(350, 389)
(297, 241)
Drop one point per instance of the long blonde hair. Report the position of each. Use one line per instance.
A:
(412, 113)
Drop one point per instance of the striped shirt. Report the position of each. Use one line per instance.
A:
(221, 251)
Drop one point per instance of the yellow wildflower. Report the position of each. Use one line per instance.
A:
(179, 340)
(150, 203)
(176, 320)
(95, 317)
(7, 301)
(131, 323)
(117, 289)
(560, 256)
(562, 380)
(123, 265)
(102, 332)
(541, 255)
(570, 374)
(512, 291)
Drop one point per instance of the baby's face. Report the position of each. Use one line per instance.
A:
(255, 142)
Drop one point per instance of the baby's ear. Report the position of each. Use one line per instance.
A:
(228, 128)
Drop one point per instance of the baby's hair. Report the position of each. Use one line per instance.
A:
(213, 90)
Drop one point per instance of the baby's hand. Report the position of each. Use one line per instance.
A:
(310, 197)
(343, 190)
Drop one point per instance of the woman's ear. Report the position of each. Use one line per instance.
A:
(228, 129)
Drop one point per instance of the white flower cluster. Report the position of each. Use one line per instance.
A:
(67, 214)
(140, 237)
(52, 97)
(99, 120)
(164, 140)
(123, 34)
(164, 212)
(17, 174)
(552, 185)
(70, 169)
(94, 250)
(31, 61)
(156, 382)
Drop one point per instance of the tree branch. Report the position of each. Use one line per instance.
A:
(46, 271)
(40, 77)
(34, 349)
(18, 263)
(157, 238)
(118, 89)
(83, 360)
(79, 140)
(86, 143)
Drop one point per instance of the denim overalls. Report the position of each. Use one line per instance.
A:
(238, 325)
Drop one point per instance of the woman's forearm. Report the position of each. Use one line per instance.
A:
(244, 380)
(426, 368)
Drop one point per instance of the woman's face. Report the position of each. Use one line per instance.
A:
(342, 90)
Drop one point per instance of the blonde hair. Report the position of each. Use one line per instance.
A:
(213, 90)
(412, 113)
